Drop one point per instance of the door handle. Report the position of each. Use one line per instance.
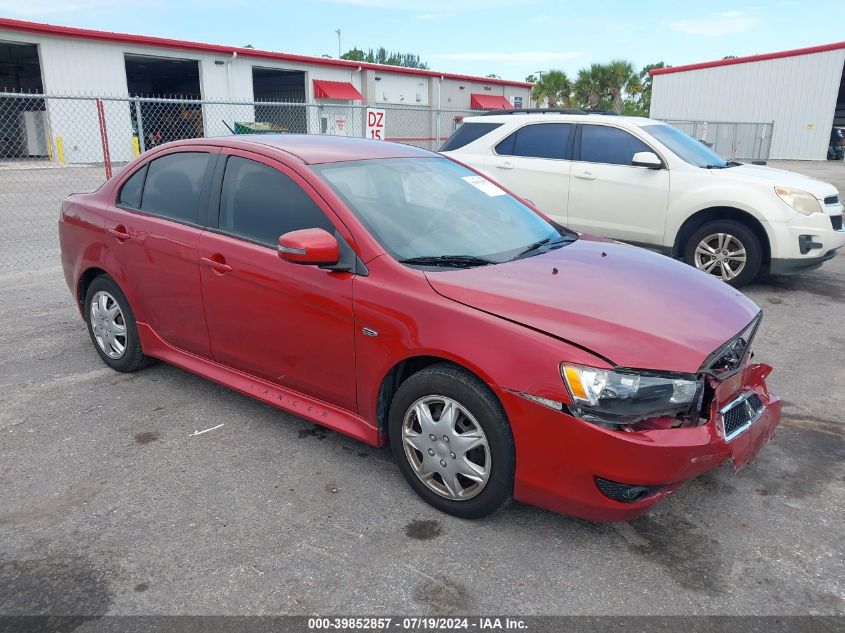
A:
(505, 164)
(586, 175)
(119, 233)
(218, 265)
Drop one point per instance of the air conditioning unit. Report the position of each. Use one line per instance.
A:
(34, 132)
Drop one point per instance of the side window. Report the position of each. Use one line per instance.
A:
(130, 193)
(541, 140)
(261, 203)
(174, 186)
(603, 144)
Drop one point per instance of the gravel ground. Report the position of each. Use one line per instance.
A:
(110, 504)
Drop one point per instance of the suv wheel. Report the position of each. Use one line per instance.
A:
(111, 325)
(725, 249)
(452, 441)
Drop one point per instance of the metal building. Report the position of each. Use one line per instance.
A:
(801, 92)
(217, 86)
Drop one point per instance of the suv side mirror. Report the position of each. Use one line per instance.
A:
(647, 159)
(312, 247)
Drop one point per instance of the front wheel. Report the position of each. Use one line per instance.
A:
(726, 249)
(452, 441)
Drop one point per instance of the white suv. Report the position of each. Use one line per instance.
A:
(645, 182)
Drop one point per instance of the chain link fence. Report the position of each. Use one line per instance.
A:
(54, 145)
(737, 141)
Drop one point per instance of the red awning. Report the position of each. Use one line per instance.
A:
(336, 90)
(489, 102)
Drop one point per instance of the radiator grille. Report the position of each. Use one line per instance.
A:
(836, 221)
(831, 200)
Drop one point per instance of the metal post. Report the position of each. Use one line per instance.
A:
(141, 141)
(104, 137)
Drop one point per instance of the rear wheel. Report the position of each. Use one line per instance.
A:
(726, 249)
(111, 325)
(452, 441)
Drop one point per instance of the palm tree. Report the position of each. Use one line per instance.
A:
(591, 85)
(621, 78)
(555, 88)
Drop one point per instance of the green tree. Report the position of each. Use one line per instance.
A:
(554, 87)
(591, 86)
(382, 56)
(493, 76)
(644, 100)
(621, 79)
(531, 79)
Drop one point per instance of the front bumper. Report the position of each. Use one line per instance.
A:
(806, 241)
(558, 456)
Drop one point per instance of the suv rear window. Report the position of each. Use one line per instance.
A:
(468, 133)
(541, 140)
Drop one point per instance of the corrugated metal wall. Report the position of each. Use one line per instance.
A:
(797, 93)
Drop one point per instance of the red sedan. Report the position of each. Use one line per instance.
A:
(396, 296)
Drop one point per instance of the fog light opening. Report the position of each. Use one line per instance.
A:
(625, 493)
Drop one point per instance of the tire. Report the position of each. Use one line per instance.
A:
(111, 326)
(480, 419)
(724, 237)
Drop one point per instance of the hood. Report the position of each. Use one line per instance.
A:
(778, 177)
(634, 307)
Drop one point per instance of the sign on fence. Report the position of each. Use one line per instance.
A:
(375, 124)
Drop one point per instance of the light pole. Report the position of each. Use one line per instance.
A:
(338, 43)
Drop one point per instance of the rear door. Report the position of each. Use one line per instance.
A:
(609, 196)
(154, 231)
(286, 323)
(534, 162)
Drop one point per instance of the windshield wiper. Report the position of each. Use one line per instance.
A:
(716, 166)
(732, 163)
(556, 242)
(457, 261)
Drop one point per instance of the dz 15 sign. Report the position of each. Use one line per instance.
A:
(375, 124)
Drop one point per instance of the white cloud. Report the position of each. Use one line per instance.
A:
(435, 16)
(35, 8)
(538, 57)
(434, 6)
(717, 25)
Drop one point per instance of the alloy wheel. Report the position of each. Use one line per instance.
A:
(721, 255)
(446, 447)
(108, 324)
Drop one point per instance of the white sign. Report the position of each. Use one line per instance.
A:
(375, 124)
(482, 184)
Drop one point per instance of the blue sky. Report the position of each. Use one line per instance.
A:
(508, 37)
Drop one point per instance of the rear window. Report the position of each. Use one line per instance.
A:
(130, 193)
(541, 140)
(468, 133)
(174, 185)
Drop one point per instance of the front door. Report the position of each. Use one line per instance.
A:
(610, 197)
(286, 323)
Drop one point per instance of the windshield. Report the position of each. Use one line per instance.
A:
(686, 148)
(430, 208)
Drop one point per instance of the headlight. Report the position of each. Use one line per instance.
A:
(801, 201)
(617, 398)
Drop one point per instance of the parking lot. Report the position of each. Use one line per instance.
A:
(111, 501)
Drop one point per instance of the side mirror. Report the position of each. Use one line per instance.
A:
(312, 247)
(647, 159)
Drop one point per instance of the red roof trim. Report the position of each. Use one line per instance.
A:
(488, 102)
(336, 90)
(144, 40)
(750, 58)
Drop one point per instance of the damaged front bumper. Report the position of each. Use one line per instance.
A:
(563, 464)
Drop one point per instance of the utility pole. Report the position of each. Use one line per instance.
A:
(339, 52)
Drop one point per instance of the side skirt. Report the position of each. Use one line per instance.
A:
(288, 400)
